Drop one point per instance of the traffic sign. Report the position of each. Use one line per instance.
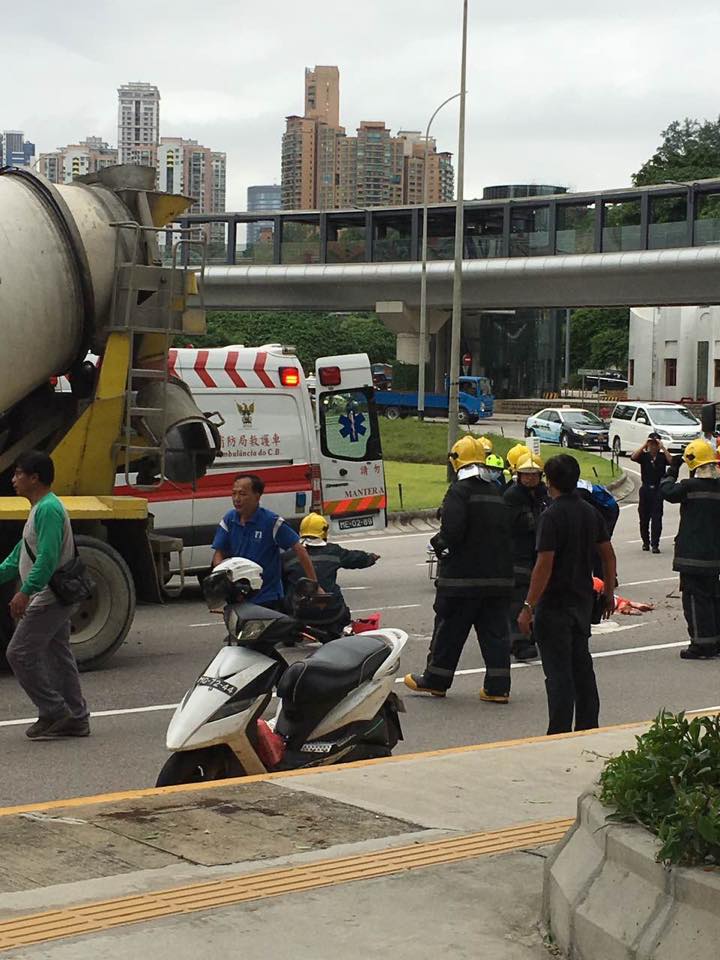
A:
(467, 359)
(592, 373)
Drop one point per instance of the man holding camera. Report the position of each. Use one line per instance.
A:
(654, 461)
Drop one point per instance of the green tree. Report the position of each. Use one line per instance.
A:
(599, 338)
(312, 334)
(690, 150)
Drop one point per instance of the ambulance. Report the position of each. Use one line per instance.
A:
(320, 453)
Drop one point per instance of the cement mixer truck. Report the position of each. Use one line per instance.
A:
(82, 271)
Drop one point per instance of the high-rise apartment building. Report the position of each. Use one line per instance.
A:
(322, 95)
(441, 176)
(66, 163)
(138, 123)
(187, 167)
(298, 163)
(261, 198)
(15, 150)
(323, 169)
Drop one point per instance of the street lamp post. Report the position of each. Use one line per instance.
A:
(453, 405)
(423, 267)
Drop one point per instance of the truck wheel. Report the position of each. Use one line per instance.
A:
(102, 622)
(463, 415)
(392, 413)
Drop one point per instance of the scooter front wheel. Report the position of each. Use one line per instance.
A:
(198, 766)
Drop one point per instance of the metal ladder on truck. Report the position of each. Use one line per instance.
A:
(151, 299)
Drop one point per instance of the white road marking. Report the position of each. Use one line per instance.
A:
(399, 606)
(345, 589)
(383, 537)
(670, 536)
(640, 583)
(159, 707)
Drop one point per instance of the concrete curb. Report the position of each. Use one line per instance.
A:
(420, 520)
(605, 897)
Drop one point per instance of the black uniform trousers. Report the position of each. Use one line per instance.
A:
(454, 618)
(650, 512)
(563, 634)
(701, 606)
(519, 642)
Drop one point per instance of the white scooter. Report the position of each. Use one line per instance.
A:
(336, 705)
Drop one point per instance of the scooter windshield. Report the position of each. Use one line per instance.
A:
(249, 624)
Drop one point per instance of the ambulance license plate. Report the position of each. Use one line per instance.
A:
(356, 523)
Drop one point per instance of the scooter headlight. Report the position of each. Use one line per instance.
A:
(252, 629)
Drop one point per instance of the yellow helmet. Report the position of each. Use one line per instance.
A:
(465, 451)
(313, 525)
(698, 453)
(515, 453)
(486, 443)
(529, 464)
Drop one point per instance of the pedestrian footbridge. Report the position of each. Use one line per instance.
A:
(656, 245)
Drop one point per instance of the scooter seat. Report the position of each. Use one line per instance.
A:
(332, 671)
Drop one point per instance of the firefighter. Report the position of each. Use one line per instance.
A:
(327, 559)
(697, 545)
(526, 499)
(514, 454)
(475, 580)
(496, 465)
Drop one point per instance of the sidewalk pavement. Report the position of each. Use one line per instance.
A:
(404, 857)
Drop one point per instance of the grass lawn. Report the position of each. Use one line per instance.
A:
(416, 453)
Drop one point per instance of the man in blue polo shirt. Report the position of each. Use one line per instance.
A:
(252, 532)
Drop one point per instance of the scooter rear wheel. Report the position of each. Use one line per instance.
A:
(199, 766)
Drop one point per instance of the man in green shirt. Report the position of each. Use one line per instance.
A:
(39, 652)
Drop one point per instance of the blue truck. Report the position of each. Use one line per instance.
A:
(475, 401)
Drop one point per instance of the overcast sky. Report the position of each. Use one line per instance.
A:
(557, 92)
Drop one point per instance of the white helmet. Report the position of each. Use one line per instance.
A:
(232, 579)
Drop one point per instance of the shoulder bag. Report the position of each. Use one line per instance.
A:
(71, 583)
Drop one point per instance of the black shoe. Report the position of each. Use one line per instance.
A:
(693, 652)
(69, 727)
(656, 549)
(416, 682)
(646, 546)
(44, 726)
(526, 653)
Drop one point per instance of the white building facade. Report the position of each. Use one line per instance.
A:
(77, 159)
(674, 353)
(138, 123)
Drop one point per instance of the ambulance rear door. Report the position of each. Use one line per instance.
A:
(350, 451)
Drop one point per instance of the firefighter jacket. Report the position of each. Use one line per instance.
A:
(327, 561)
(525, 505)
(474, 541)
(697, 544)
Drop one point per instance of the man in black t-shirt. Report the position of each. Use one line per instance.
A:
(654, 461)
(560, 597)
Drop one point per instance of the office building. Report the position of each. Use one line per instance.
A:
(260, 198)
(324, 169)
(15, 150)
(138, 123)
(66, 163)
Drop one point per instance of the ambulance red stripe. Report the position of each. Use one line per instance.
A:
(259, 369)
(199, 368)
(172, 360)
(231, 369)
(280, 479)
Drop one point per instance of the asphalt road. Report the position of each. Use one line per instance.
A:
(637, 664)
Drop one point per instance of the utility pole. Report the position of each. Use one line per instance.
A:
(423, 268)
(459, 249)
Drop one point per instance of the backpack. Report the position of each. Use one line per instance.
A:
(603, 501)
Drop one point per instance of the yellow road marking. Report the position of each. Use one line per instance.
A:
(104, 915)
(142, 792)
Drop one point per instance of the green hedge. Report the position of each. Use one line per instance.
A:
(670, 783)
